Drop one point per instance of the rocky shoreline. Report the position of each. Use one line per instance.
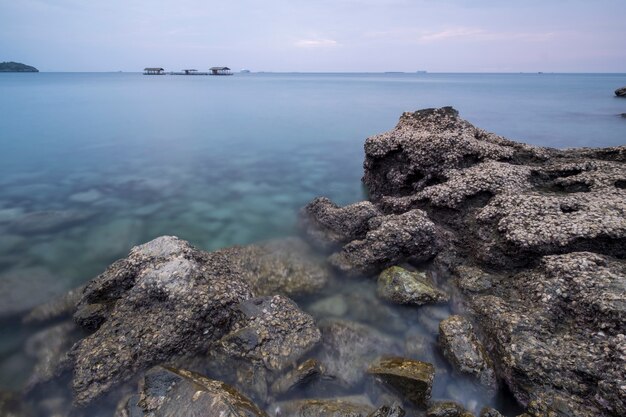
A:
(526, 246)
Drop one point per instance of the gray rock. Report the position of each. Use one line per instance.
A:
(447, 409)
(389, 411)
(412, 379)
(323, 408)
(273, 331)
(298, 377)
(490, 412)
(61, 306)
(170, 392)
(326, 224)
(348, 348)
(621, 92)
(391, 239)
(463, 349)
(400, 286)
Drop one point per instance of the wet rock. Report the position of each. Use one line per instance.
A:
(273, 331)
(170, 392)
(58, 307)
(463, 349)
(390, 240)
(621, 92)
(297, 378)
(286, 266)
(323, 408)
(400, 286)
(490, 412)
(48, 221)
(474, 280)
(412, 379)
(349, 347)
(325, 224)
(166, 299)
(16, 287)
(389, 411)
(447, 409)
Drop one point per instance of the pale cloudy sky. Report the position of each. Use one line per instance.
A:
(320, 35)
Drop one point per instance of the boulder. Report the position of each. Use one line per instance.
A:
(490, 412)
(170, 392)
(621, 92)
(447, 409)
(465, 352)
(389, 411)
(412, 379)
(323, 408)
(401, 286)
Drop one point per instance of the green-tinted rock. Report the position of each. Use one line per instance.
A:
(323, 408)
(412, 379)
(400, 286)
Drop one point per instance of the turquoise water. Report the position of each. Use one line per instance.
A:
(92, 164)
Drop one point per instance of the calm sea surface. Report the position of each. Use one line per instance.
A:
(92, 164)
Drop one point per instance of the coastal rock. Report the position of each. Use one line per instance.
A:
(12, 406)
(400, 286)
(621, 92)
(390, 239)
(323, 408)
(389, 411)
(298, 377)
(170, 392)
(349, 347)
(447, 409)
(61, 306)
(490, 412)
(271, 330)
(463, 349)
(412, 379)
(326, 224)
(166, 299)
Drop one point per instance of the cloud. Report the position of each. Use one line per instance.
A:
(316, 43)
(477, 34)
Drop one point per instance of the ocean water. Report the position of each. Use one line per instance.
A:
(94, 163)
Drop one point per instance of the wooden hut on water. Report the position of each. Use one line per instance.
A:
(220, 71)
(153, 71)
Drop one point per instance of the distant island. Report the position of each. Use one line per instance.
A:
(16, 67)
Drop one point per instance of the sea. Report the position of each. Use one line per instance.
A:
(92, 164)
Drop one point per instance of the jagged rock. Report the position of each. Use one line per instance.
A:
(390, 240)
(621, 92)
(558, 333)
(326, 224)
(389, 411)
(273, 331)
(166, 299)
(298, 377)
(169, 392)
(412, 379)
(61, 306)
(349, 347)
(400, 286)
(323, 408)
(447, 409)
(285, 266)
(490, 412)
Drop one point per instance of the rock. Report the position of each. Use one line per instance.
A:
(412, 379)
(323, 408)
(325, 224)
(16, 287)
(447, 409)
(621, 92)
(490, 412)
(400, 286)
(273, 331)
(465, 352)
(557, 330)
(12, 406)
(286, 266)
(170, 392)
(391, 239)
(333, 306)
(166, 299)
(61, 306)
(389, 411)
(298, 377)
(349, 347)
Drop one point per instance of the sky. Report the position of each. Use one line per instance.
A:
(316, 35)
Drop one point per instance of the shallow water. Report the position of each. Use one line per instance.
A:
(92, 164)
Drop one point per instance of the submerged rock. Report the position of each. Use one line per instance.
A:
(61, 306)
(323, 408)
(400, 286)
(298, 377)
(12, 406)
(447, 409)
(411, 378)
(16, 287)
(621, 92)
(389, 411)
(463, 349)
(169, 392)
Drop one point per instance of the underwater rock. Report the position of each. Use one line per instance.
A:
(400, 286)
(389, 411)
(325, 224)
(16, 287)
(271, 330)
(12, 406)
(621, 92)
(390, 239)
(298, 377)
(61, 306)
(323, 408)
(169, 392)
(285, 266)
(447, 409)
(165, 299)
(412, 379)
(332, 306)
(465, 352)
(349, 347)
